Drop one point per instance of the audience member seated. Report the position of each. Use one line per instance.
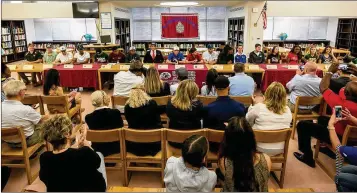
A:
(5, 77)
(16, 114)
(270, 112)
(132, 55)
(311, 56)
(70, 168)
(125, 81)
(210, 56)
(81, 57)
(50, 56)
(208, 89)
(104, 118)
(32, 57)
(295, 55)
(176, 57)
(64, 57)
(344, 77)
(257, 56)
(116, 56)
(241, 84)
(194, 56)
(142, 112)
(100, 56)
(182, 74)
(188, 173)
(306, 129)
(153, 55)
(327, 56)
(155, 87)
(224, 108)
(240, 57)
(241, 167)
(274, 56)
(226, 57)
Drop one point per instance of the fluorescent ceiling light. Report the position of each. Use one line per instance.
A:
(177, 4)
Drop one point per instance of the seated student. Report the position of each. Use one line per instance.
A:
(295, 55)
(194, 57)
(81, 57)
(32, 56)
(312, 56)
(153, 55)
(132, 55)
(240, 57)
(304, 83)
(257, 56)
(69, 168)
(221, 48)
(327, 57)
(270, 112)
(15, 114)
(241, 167)
(155, 87)
(226, 57)
(274, 56)
(64, 57)
(104, 118)
(116, 56)
(187, 173)
(176, 57)
(241, 84)
(5, 77)
(125, 81)
(50, 56)
(208, 89)
(210, 56)
(100, 56)
(224, 108)
(344, 77)
(182, 74)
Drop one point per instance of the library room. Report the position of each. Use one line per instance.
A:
(244, 96)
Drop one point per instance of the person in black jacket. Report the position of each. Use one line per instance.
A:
(227, 56)
(257, 56)
(104, 118)
(153, 55)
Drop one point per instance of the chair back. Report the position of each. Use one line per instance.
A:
(143, 136)
(55, 100)
(179, 136)
(103, 136)
(161, 101)
(309, 101)
(206, 100)
(32, 100)
(215, 135)
(14, 134)
(119, 100)
(350, 134)
(246, 100)
(272, 136)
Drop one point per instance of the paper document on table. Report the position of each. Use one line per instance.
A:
(47, 66)
(163, 66)
(124, 67)
(27, 67)
(12, 67)
(254, 67)
(111, 64)
(179, 66)
(199, 66)
(272, 67)
(108, 66)
(217, 67)
(68, 66)
(293, 67)
(87, 66)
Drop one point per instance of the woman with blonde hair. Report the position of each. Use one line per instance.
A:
(270, 112)
(155, 87)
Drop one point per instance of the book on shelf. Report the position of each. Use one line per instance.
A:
(6, 37)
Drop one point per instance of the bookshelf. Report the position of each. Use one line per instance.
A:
(13, 40)
(346, 37)
(122, 33)
(235, 31)
(41, 45)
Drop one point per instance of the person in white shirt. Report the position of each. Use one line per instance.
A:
(210, 56)
(81, 57)
(270, 112)
(16, 114)
(64, 57)
(182, 74)
(241, 84)
(125, 81)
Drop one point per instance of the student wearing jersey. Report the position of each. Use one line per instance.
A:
(295, 55)
(274, 56)
(327, 56)
(175, 57)
(100, 56)
(240, 57)
(50, 56)
(81, 57)
(312, 56)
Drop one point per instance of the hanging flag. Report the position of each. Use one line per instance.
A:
(264, 12)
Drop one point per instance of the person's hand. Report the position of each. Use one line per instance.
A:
(333, 67)
(195, 61)
(333, 120)
(257, 99)
(347, 115)
(299, 72)
(352, 69)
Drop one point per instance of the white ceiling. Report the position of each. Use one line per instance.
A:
(144, 3)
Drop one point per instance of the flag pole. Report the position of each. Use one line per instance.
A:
(256, 23)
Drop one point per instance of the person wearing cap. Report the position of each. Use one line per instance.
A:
(132, 55)
(81, 57)
(240, 57)
(194, 56)
(50, 56)
(182, 74)
(116, 56)
(64, 57)
(100, 56)
(210, 56)
(241, 84)
(31, 57)
(175, 57)
(153, 55)
(226, 57)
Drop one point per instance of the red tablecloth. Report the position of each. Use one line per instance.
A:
(78, 76)
(282, 74)
(169, 75)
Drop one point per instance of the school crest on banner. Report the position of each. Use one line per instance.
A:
(179, 25)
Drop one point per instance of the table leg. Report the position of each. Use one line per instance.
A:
(99, 80)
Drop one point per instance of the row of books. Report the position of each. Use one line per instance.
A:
(20, 43)
(4, 59)
(17, 30)
(121, 30)
(20, 37)
(21, 49)
(5, 30)
(241, 27)
(6, 38)
(6, 45)
(8, 51)
(57, 45)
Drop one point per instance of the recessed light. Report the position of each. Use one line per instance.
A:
(178, 4)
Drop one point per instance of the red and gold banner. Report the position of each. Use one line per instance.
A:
(179, 25)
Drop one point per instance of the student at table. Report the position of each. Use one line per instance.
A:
(32, 57)
(81, 57)
(64, 57)
(312, 56)
(240, 57)
(194, 57)
(295, 55)
(221, 48)
(100, 56)
(210, 56)
(50, 56)
(153, 55)
(132, 55)
(176, 57)
(257, 56)
(116, 56)
(327, 56)
(274, 56)
(226, 57)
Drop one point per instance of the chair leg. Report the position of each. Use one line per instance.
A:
(282, 175)
(294, 129)
(317, 149)
(162, 173)
(28, 170)
(126, 181)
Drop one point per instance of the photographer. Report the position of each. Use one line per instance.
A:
(345, 73)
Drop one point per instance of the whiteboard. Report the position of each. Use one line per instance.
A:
(91, 27)
(142, 30)
(268, 32)
(203, 30)
(281, 25)
(61, 29)
(318, 28)
(178, 9)
(156, 30)
(78, 28)
(215, 29)
(156, 12)
(141, 13)
(299, 29)
(200, 10)
(216, 12)
(43, 29)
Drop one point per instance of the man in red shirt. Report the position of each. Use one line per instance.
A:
(306, 129)
(194, 56)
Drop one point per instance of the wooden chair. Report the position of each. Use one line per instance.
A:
(24, 153)
(142, 136)
(275, 136)
(246, 100)
(206, 100)
(162, 101)
(215, 136)
(32, 100)
(119, 101)
(306, 101)
(350, 135)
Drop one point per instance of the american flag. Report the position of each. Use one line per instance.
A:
(264, 13)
